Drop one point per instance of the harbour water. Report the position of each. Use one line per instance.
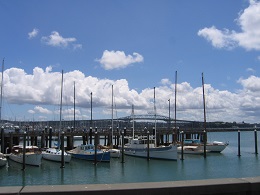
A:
(224, 165)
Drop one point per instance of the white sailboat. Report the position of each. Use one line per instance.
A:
(114, 153)
(146, 147)
(55, 154)
(33, 156)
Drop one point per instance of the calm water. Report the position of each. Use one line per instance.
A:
(224, 165)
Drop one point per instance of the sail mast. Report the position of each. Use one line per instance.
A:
(204, 109)
(2, 79)
(112, 129)
(155, 121)
(74, 122)
(60, 106)
(175, 112)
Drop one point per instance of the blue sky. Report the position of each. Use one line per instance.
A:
(134, 46)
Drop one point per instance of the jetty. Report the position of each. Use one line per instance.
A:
(41, 133)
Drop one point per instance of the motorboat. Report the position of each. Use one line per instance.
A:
(191, 150)
(3, 160)
(139, 147)
(33, 155)
(89, 152)
(214, 146)
(54, 154)
(114, 153)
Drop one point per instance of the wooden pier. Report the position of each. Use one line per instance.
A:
(44, 138)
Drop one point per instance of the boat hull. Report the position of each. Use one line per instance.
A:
(101, 157)
(163, 153)
(55, 155)
(190, 150)
(33, 159)
(3, 162)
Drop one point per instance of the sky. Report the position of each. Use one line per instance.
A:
(137, 47)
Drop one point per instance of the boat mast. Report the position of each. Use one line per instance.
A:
(60, 106)
(204, 108)
(154, 116)
(112, 128)
(74, 122)
(2, 79)
(175, 112)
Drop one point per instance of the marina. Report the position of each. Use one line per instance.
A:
(227, 164)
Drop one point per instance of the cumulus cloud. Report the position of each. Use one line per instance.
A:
(248, 37)
(33, 34)
(56, 40)
(118, 59)
(42, 88)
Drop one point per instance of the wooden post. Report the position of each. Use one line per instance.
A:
(50, 137)
(62, 150)
(95, 158)
(2, 140)
(24, 149)
(256, 151)
(182, 140)
(148, 145)
(205, 143)
(90, 135)
(238, 143)
(122, 149)
(42, 140)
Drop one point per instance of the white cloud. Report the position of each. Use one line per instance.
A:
(42, 88)
(42, 110)
(56, 40)
(33, 34)
(250, 70)
(118, 59)
(248, 37)
(165, 82)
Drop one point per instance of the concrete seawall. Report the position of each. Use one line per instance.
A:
(227, 186)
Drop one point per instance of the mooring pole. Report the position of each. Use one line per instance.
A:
(2, 140)
(256, 151)
(182, 140)
(148, 145)
(62, 150)
(238, 143)
(95, 158)
(122, 149)
(24, 149)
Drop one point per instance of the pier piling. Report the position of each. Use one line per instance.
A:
(256, 150)
(122, 149)
(24, 149)
(238, 143)
(62, 150)
(148, 145)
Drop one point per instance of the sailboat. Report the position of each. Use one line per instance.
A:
(146, 147)
(205, 146)
(114, 153)
(55, 154)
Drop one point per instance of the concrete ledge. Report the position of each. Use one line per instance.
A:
(232, 186)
